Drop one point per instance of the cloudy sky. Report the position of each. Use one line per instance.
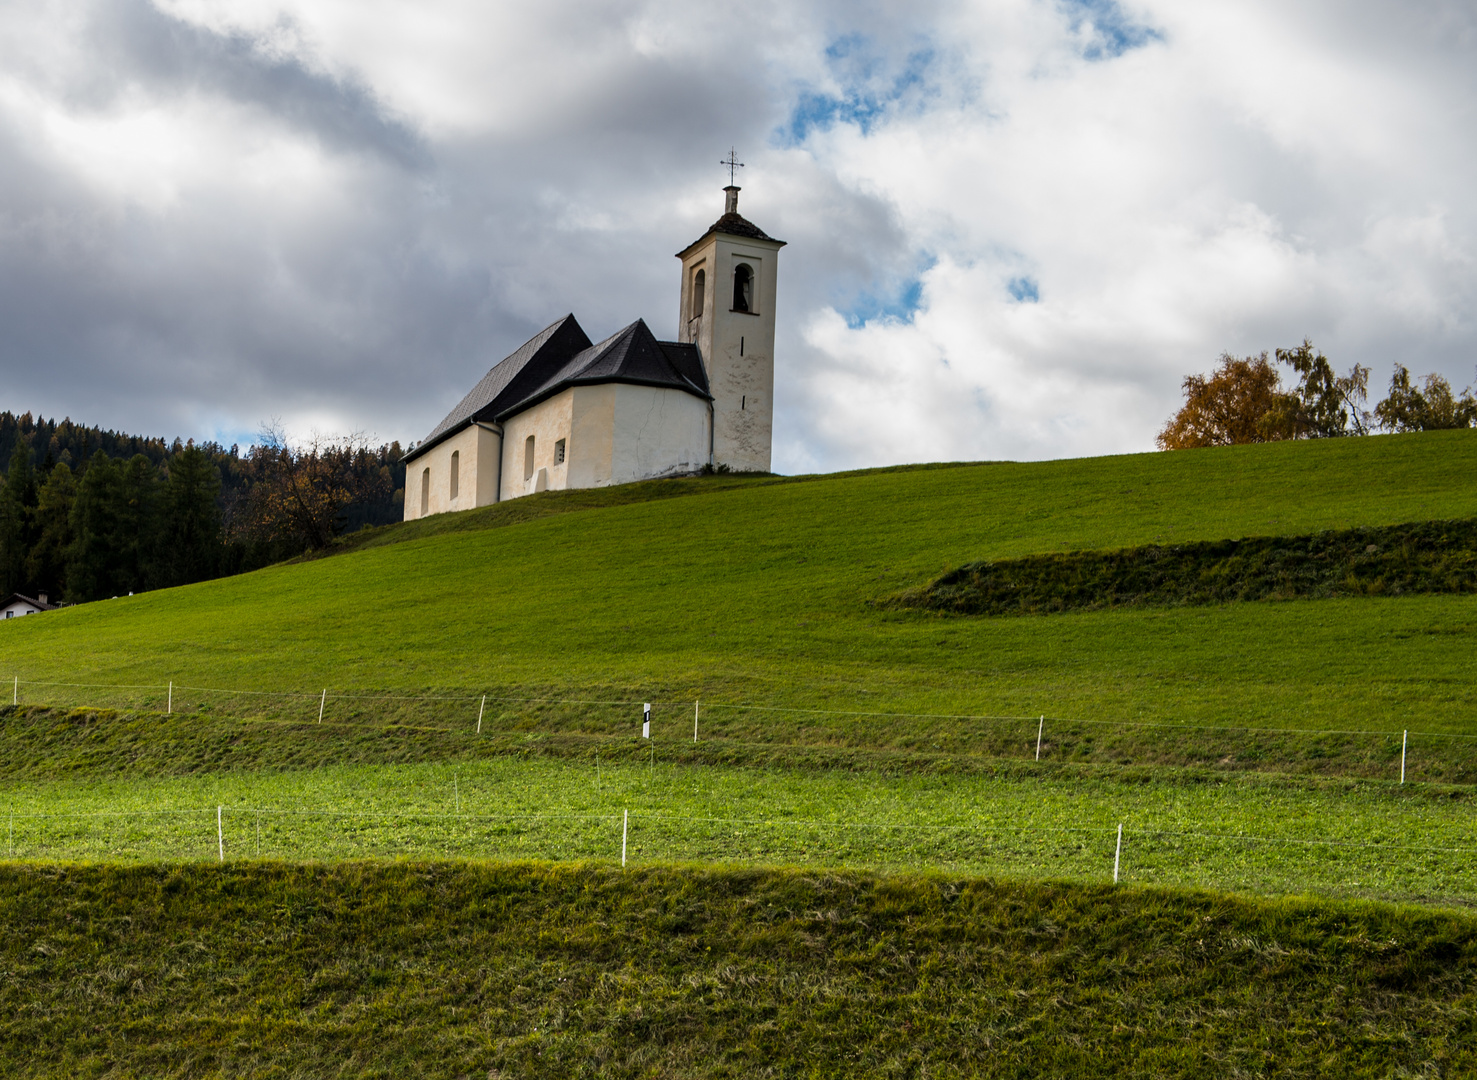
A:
(1014, 225)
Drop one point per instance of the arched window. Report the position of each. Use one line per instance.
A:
(743, 288)
(528, 459)
(456, 463)
(699, 286)
(425, 492)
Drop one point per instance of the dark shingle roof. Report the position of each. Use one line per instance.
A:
(561, 356)
(512, 378)
(734, 224)
(631, 355)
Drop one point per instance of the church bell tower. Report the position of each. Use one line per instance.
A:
(727, 311)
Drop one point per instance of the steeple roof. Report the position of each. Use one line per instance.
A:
(732, 223)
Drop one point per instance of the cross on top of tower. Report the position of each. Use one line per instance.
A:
(733, 163)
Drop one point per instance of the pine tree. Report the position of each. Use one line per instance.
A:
(92, 570)
(46, 562)
(189, 539)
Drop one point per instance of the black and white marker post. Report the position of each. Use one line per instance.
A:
(646, 722)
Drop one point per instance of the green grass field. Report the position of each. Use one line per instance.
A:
(1248, 748)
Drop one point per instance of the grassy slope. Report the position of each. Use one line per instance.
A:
(754, 589)
(456, 970)
(1254, 834)
(761, 591)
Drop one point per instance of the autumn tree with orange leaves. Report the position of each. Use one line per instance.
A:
(1243, 401)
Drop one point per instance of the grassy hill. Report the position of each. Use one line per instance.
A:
(859, 868)
(763, 591)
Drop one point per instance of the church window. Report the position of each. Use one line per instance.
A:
(425, 492)
(743, 288)
(528, 459)
(559, 452)
(699, 286)
(456, 462)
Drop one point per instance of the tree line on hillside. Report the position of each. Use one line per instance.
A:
(104, 514)
(1243, 401)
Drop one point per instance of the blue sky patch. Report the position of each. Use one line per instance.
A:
(900, 305)
(1024, 290)
(870, 86)
(1114, 31)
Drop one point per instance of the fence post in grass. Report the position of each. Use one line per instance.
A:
(480, 711)
(322, 702)
(694, 720)
(12, 832)
(169, 709)
(1039, 729)
(1404, 737)
(220, 834)
(15, 691)
(646, 721)
(625, 822)
(1118, 851)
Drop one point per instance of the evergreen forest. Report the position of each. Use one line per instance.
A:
(87, 513)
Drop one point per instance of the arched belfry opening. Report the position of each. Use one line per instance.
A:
(743, 288)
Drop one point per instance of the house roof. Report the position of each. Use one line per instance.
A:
(560, 356)
(512, 378)
(630, 355)
(39, 605)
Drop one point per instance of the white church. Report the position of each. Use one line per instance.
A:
(562, 412)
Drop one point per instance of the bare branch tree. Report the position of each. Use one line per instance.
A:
(301, 490)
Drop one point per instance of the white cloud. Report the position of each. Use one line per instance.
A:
(1013, 227)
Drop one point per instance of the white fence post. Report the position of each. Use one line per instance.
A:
(1118, 851)
(646, 721)
(15, 691)
(322, 702)
(694, 721)
(480, 711)
(169, 709)
(625, 822)
(1404, 736)
(1039, 729)
(220, 834)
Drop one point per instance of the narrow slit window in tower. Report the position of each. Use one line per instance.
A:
(456, 469)
(743, 288)
(699, 286)
(528, 459)
(425, 492)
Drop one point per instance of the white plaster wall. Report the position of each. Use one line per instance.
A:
(17, 609)
(548, 422)
(476, 448)
(658, 432)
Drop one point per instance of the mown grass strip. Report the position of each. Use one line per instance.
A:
(1393, 560)
(42, 742)
(529, 970)
(1203, 830)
